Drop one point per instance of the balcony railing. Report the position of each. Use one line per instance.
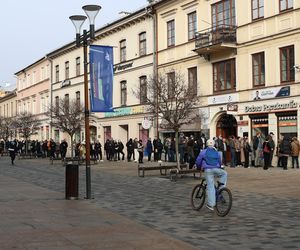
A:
(215, 36)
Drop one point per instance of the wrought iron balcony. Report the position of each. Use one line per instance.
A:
(215, 40)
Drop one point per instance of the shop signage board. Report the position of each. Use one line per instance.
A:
(271, 107)
(221, 99)
(271, 93)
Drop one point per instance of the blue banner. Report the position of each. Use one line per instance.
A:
(101, 78)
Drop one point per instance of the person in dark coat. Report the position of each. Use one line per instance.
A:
(120, 150)
(267, 153)
(12, 148)
(63, 147)
(149, 149)
(285, 151)
(130, 149)
(98, 150)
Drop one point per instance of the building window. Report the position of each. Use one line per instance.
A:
(192, 80)
(257, 9)
(123, 51)
(258, 69)
(123, 93)
(143, 89)
(57, 73)
(224, 75)
(260, 124)
(78, 66)
(223, 13)
(171, 85)
(142, 44)
(287, 62)
(286, 4)
(287, 124)
(67, 70)
(192, 25)
(78, 97)
(56, 103)
(67, 103)
(171, 33)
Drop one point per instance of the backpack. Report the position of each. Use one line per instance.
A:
(211, 157)
(266, 148)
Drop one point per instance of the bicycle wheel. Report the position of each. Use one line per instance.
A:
(223, 201)
(198, 197)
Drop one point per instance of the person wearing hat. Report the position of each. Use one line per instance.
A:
(209, 160)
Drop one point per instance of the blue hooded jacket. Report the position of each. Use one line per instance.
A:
(201, 163)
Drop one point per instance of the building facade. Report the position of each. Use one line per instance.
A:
(33, 94)
(132, 40)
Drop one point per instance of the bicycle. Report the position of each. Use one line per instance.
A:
(223, 198)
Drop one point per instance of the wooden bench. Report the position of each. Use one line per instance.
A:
(174, 173)
(162, 168)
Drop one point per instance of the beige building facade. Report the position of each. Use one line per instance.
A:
(132, 40)
(238, 49)
(33, 95)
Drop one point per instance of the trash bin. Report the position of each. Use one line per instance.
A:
(71, 181)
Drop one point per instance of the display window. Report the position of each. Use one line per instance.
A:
(287, 125)
(107, 133)
(260, 125)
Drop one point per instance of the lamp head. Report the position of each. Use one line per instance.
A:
(92, 11)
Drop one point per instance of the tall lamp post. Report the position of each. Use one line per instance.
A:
(84, 40)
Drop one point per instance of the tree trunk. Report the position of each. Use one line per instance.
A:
(177, 149)
(72, 153)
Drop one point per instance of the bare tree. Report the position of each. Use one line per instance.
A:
(27, 125)
(172, 100)
(67, 116)
(7, 128)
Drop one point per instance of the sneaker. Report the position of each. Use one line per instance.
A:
(209, 207)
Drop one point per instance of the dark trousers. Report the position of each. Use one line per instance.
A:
(295, 159)
(246, 159)
(123, 155)
(284, 160)
(141, 157)
(267, 158)
(149, 156)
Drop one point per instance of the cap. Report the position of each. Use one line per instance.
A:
(210, 143)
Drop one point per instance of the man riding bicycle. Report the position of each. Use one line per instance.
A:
(209, 160)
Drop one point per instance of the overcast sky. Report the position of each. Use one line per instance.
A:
(30, 29)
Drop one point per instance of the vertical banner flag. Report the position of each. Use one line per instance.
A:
(101, 78)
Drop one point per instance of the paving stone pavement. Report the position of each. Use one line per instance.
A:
(265, 212)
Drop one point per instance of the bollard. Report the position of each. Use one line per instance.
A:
(71, 181)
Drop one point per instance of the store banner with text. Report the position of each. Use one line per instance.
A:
(271, 93)
(101, 78)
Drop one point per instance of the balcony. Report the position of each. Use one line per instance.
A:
(215, 40)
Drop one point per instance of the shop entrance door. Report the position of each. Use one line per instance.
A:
(226, 126)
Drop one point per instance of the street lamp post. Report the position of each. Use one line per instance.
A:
(83, 40)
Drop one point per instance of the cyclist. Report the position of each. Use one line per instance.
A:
(209, 160)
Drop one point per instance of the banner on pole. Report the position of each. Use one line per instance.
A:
(101, 78)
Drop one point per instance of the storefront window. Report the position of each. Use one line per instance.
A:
(260, 125)
(287, 125)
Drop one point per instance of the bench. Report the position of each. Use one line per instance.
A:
(162, 168)
(174, 173)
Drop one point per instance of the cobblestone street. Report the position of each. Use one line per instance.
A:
(265, 212)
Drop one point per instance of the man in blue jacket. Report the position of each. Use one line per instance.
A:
(210, 161)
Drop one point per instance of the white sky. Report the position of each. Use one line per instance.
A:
(33, 28)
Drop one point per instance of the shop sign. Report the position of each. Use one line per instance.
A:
(122, 67)
(126, 111)
(232, 107)
(270, 107)
(146, 123)
(220, 99)
(271, 93)
(242, 123)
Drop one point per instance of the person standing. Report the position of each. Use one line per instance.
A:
(98, 150)
(130, 148)
(285, 151)
(210, 161)
(295, 152)
(12, 151)
(63, 149)
(140, 149)
(246, 150)
(272, 146)
(257, 148)
(232, 152)
(149, 149)
(267, 153)
(120, 150)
